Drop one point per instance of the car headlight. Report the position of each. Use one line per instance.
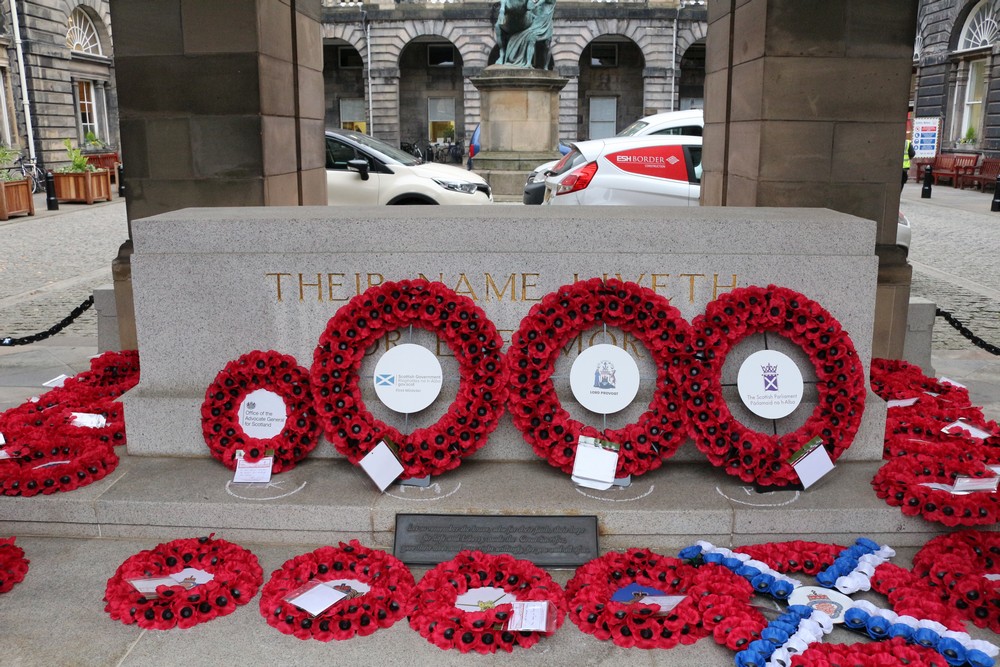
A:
(457, 186)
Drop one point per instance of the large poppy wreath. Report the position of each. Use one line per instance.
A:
(840, 380)
(388, 581)
(557, 319)
(902, 481)
(483, 630)
(13, 564)
(273, 372)
(957, 566)
(63, 463)
(716, 602)
(463, 327)
(236, 577)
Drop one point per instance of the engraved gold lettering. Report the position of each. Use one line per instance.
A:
(506, 335)
(629, 342)
(442, 349)
(464, 280)
(277, 277)
(656, 284)
(330, 284)
(578, 341)
(716, 286)
(691, 277)
(602, 332)
(440, 278)
(525, 285)
(638, 280)
(511, 283)
(372, 282)
(318, 285)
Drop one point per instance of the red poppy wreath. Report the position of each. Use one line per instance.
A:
(716, 602)
(62, 464)
(840, 381)
(235, 577)
(891, 653)
(481, 626)
(902, 482)
(13, 564)
(231, 420)
(378, 587)
(963, 567)
(557, 319)
(467, 332)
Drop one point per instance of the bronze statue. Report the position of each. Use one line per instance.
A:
(524, 33)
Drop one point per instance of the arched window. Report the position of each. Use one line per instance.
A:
(982, 28)
(81, 35)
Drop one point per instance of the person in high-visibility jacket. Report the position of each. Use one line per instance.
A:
(908, 154)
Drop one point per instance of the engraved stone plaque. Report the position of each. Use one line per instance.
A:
(546, 541)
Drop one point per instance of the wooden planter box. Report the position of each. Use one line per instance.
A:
(85, 186)
(16, 199)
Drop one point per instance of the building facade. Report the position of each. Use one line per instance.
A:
(957, 72)
(402, 70)
(56, 78)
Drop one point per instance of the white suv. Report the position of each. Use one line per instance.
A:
(659, 170)
(361, 171)
(686, 123)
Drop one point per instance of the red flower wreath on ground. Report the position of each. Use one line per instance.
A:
(437, 619)
(463, 327)
(914, 596)
(390, 587)
(274, 372)
(716, 602)
(891, 653)
(956, 566)
(894, 379)
(840, 381)
(64, 464)
(796, 556)
(237, 576)
(13, 564)
(900, 482)
(550, 325)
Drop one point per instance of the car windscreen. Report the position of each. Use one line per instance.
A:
(395, 154)
(633, 129)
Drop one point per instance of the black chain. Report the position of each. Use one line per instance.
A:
(964, 330)
(66, 321)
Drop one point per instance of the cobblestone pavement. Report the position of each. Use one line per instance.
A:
(52, 262)
(956, 240)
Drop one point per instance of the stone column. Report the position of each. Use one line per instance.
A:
(221, 104)
(806, 106)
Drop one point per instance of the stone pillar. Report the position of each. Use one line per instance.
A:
(806, 106)
(221, 104)
(520, 124)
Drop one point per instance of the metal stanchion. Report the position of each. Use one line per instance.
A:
(121, 180)
(925, 193)
(50, 192)
(995, 206)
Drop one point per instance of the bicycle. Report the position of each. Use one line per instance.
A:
(31, 171)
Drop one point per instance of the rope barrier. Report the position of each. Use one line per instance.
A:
(964, 330)
(66, 321)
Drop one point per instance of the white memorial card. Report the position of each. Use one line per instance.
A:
(604, 379)
(192, 576)
(965, 484)
(595, 463)
(961, 426)
(485, 597)
(382, 465)
(3, 441)
(945, 380)
(3, 454)
(56, 381)
(536, 616)
(408, 378)
(811, 462)
(902, 402)
(315, 597)
(262, 414)
(770, 384)
(255, 472)
(147, 585)
(87, 420)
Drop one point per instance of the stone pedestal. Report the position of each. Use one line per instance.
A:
(520, 124)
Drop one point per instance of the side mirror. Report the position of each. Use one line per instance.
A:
(361, 166)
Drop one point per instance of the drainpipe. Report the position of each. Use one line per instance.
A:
(673, 67)
(368, 70)
(24, 81)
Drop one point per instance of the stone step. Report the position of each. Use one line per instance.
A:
(324, 501)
